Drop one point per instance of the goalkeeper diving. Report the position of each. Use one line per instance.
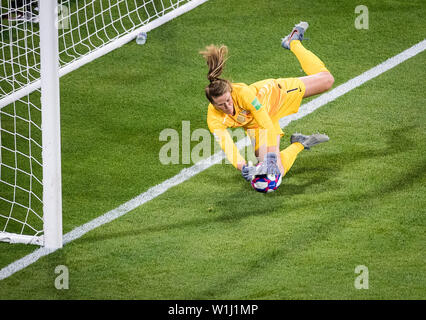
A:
(259, 107)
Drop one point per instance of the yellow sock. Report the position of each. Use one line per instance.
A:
(309, 62)
(289, 154)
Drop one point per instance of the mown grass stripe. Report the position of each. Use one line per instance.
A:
(187, 173)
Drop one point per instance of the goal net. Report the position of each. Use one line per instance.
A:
(40, 41)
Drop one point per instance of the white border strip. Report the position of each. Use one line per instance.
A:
(187, 173)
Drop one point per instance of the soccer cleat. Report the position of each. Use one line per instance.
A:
(309, 141)
(297, 33)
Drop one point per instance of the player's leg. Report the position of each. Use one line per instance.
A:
(289, 155)
(318, 79)
(300, 142)
(317, 83)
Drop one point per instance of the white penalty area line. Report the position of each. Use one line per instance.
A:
(187, 173)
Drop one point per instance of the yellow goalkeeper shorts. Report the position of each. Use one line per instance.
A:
(281, 97)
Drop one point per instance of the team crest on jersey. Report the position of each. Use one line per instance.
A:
(242, 116)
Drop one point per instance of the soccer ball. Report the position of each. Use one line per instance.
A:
(266, 182)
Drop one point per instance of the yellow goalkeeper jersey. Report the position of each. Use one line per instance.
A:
(249, 113)
(257, 106)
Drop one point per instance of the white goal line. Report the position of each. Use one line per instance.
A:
(187, 173)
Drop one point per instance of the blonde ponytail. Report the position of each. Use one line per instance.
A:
(216, 58)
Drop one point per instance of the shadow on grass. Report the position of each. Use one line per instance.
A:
(397, 141)
(241, 208)
(235, 207)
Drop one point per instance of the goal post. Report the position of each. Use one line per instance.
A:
(50, 119)
(40, 41)
(17, 60)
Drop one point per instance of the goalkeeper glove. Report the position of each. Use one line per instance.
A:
(248, 171)
(269, 165)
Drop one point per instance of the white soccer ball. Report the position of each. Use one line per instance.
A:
(266, 183)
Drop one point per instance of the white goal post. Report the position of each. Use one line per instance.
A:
(42, 40)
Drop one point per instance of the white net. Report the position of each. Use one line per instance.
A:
(20, 121)
(84, 27)
(88, 25)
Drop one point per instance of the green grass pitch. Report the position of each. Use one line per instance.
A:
(356, 200)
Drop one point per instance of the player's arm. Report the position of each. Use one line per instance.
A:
(269, 138)
(225, 141)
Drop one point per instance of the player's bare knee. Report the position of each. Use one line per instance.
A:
(328, 80)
